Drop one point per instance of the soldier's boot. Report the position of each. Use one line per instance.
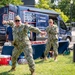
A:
(45, 58)
(12, 69)
(32, 72)
(55, 59)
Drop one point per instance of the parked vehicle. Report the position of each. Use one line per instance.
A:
(36, 17)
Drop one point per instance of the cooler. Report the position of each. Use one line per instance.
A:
(4, 59)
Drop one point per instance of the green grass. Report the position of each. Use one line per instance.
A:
(64, 66)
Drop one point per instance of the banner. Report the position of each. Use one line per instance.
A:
(42, 21)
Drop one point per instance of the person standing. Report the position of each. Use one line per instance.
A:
(52, 41)
(9, 35)
(21, 42)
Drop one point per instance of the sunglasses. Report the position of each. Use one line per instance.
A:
(17, 20)
(50, 22)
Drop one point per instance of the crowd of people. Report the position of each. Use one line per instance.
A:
(22, 43)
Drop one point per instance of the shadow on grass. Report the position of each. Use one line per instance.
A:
(27, 74)
(43, 61)
(39, 62)
(5, 73)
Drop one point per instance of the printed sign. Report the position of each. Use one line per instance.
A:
(28, 16)
(11, 15)
(5, 17)
(42, 21)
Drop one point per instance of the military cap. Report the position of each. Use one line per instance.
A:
(50, 20)
(17, 17)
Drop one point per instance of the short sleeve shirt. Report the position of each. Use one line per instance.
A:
(9, 33)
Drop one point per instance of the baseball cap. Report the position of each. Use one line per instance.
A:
(17, 17)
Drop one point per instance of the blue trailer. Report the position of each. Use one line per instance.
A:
(38, 18)
(34, 16)
(6, 13)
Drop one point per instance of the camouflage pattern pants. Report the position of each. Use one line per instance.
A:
(50, 44)
(28, 54)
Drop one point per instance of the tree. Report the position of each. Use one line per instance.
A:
(48, 4)
(45, 4)
(7, 2)
(42, 4)
(52, 1)
(65, 6)
(64, 17)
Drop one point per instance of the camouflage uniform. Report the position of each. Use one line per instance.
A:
(52, 40)
(22, 44)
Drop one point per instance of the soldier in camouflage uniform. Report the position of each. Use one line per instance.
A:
(52, 40)
(21, 42)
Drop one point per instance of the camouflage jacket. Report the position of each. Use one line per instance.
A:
(52, 32)
(20, 34)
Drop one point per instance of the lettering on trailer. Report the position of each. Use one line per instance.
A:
(2, 30)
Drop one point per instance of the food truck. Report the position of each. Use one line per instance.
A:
(37, 18)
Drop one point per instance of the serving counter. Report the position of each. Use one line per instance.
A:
(38, 48)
